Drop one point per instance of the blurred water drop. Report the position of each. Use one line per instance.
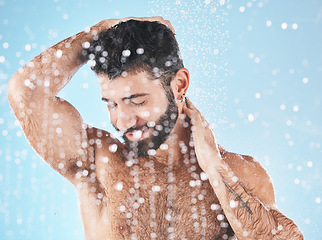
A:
(268, 23)
(284, 26)
(294, 26)
(251, 117)
(65, 16)
(5, 45)
(282, 107)
(305, 80)
(260, 4)
(296, 108)
(28, 47)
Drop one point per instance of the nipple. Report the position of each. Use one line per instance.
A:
(122, 228)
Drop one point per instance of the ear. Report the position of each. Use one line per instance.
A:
(180, 84)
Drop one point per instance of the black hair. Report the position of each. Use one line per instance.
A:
(135, 46)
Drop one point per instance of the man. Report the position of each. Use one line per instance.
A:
(170, 179)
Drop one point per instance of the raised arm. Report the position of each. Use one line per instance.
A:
(242, 186)
(53, 127)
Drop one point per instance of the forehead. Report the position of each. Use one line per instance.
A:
(129, 83)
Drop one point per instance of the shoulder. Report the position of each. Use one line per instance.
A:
(103, 145)
(97, 148)
(252, 174)
(101, 139)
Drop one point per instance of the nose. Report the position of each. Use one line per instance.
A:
(125, 120)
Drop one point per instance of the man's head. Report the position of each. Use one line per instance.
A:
(137, 62)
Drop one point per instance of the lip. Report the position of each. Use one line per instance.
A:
(138, 135)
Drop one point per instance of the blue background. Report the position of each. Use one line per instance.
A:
(256, 74)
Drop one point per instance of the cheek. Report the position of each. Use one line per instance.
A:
(145, 114)
(152, 113)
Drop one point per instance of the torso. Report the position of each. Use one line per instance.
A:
(148, 200)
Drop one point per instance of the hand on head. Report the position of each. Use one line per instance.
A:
(108, 23)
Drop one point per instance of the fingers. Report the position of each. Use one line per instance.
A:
(190, 110)
(156, 18)
(169, 25)
(186, 109)
(159, 19)
(194, 114)
(189, 104)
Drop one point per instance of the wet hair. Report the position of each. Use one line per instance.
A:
(135, 46)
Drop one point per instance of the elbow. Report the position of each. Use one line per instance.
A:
(283, 227)
(16, 91)
(12, 89)
(298, 234)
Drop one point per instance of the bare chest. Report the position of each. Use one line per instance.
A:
(150, 201)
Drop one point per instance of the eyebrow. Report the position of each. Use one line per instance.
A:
(127, 98)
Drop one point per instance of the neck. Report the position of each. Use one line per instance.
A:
(171, 151)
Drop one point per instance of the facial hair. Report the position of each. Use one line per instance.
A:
(161, 131)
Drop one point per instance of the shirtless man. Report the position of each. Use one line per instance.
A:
(169, 179)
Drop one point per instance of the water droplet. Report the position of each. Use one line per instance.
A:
(294, 26)
(119, 186)
(112, 148)
(5, 45)
(58, 53)
(27, 47)
(242, 9)
(257, 95)
(284, 26)
(296, 108)
(305, 80)
(268, 23)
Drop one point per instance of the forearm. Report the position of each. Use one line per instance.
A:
(50, 71)
(249, 218)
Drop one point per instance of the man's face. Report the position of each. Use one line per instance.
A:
(141, 110)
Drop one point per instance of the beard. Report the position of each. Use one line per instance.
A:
(161, 131)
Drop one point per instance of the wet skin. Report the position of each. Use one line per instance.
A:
(159, 196)
(147, 198)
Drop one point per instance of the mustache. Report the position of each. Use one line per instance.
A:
(132, 129)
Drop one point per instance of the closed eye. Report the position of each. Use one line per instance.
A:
(111, 105)
(138, 103)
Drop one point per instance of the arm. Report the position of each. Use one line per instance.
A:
(250, 217)
(53, 127)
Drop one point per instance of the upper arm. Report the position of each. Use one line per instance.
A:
(53, 127)
(253, 175)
